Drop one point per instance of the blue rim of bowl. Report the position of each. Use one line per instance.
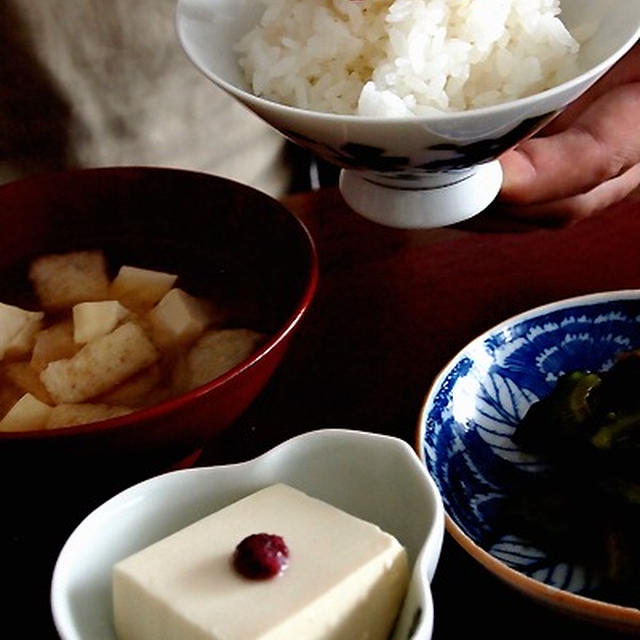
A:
(618, 617)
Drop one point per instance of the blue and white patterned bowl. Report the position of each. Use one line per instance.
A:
(409, 172)
(469, 417)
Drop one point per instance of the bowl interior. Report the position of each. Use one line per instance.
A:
(227, 242)
(472, 410)
(208, 30)
(373, 477)
(611, 26)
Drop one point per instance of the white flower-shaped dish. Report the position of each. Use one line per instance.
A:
(412, 171)
(375, 477)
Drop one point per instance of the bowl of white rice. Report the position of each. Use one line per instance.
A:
(414, 99)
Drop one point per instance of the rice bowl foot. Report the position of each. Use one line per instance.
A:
(434, 200)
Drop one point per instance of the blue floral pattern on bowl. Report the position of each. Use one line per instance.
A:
(473, 408)
(437, 158)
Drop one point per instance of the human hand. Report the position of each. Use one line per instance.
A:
(586, 159)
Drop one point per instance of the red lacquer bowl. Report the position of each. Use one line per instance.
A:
(219, 236)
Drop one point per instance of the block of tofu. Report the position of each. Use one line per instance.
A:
(23, 376)
(17, 329)
(27, 414)
(62, 280)
(100, 365)
(54, 343)
(137, 390)
(9, 393)
(94, 319)
(22, 343)
(179, 318)
(346, 578)
(138, 288)
(217, 351)
(68, 415)
(12, 319)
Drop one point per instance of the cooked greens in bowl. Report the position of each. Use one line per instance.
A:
(586, 506)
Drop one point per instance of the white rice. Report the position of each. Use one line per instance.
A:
(403, 57)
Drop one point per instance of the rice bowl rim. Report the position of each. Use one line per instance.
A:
(246, 96)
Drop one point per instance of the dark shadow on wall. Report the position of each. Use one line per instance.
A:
(34, 120)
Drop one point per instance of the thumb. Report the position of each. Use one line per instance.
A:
(601, 143)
